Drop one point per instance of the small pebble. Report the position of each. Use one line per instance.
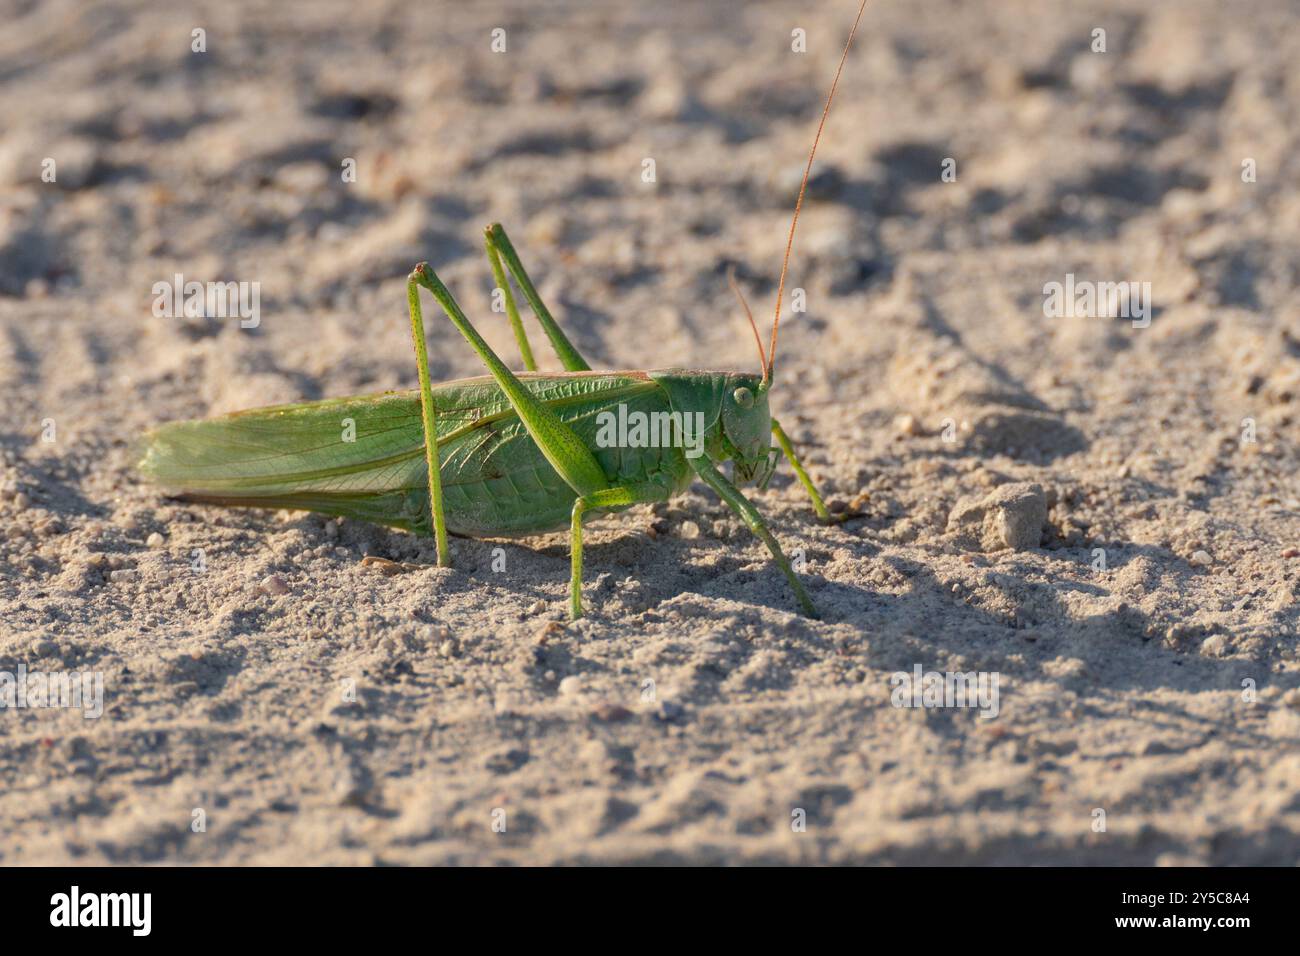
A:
(1215, 646)
(123, 575)
(908, 425)
(447, 648)
(669, 711)
(273, 584)
(610, 712)
(1202, 559)
(383, 565)
(349, 791)
(570, 686)
(1291, 553)
(537, 608)
(155, 540)
(688, 529)
(548, 629)
(824, 182)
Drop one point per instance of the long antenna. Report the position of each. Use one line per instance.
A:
(758, 339)
(803, 187)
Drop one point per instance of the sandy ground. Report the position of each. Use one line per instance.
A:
(1142, 624)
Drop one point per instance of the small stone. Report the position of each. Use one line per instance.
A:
(1215, 646)
(1088, 71)
(667, 98)
(447, 649)
(1012, 516)
(508, 760)
(824, 182)
(77, 162)
(349, 790)
(688, 529)
(537, 608)
(548, 629)
(669, 711)
(155, 540)
(570, 686)
(47, 527)
(302, 177)
(123, 575)
(908, 425)
(610, 712)
(383, 565)
(1291, 553)
(273, 585)
(1202, 559)
(1154, 748)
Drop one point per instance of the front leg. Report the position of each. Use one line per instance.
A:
(619, 496)
(743, 507)
(819, 506)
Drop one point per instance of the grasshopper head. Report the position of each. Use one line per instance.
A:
(733, 415)
(747, 428)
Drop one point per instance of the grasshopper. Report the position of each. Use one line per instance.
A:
(503, 454)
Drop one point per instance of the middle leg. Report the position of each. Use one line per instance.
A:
(617, 497)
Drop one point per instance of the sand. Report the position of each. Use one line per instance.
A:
(1102, 513)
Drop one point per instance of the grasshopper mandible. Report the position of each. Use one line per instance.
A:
(503, 454)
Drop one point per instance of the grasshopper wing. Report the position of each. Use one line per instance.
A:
(357, 457)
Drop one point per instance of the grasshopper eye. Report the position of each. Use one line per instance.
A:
(744, 397)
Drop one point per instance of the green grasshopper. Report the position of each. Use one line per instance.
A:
(504, 454)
